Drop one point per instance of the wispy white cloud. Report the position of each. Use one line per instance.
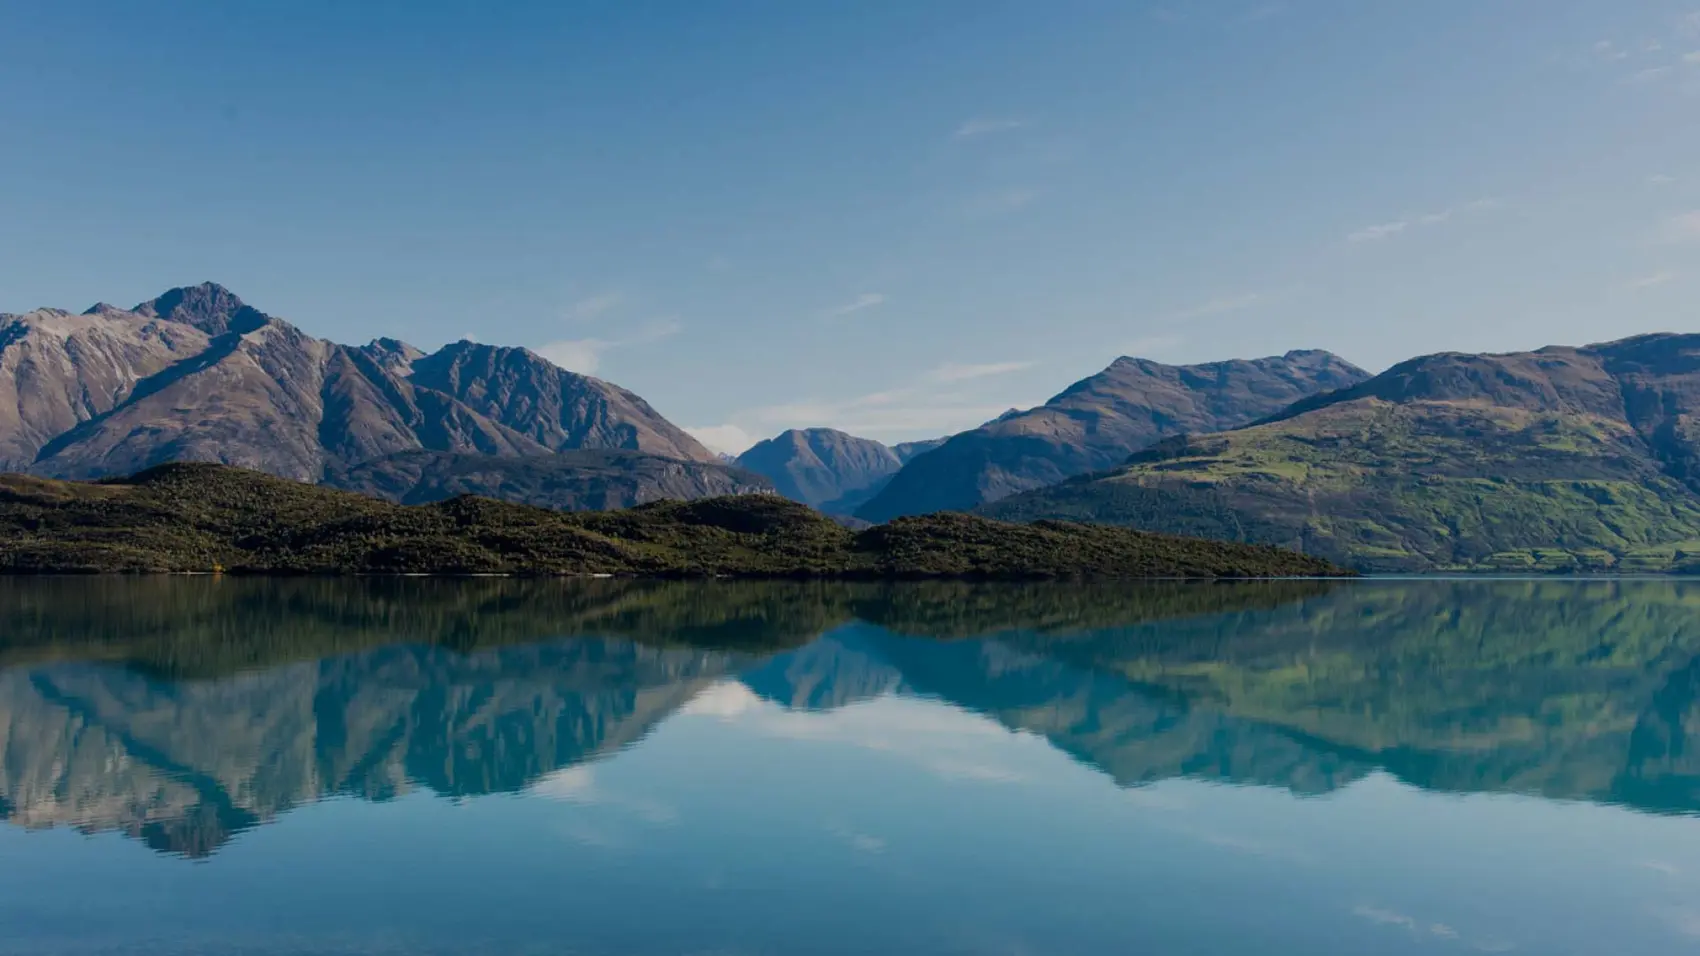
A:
(723, 439)
(1609, 52)
(1382, 230)
(1660, 179)
(1692, 59)
(585, 355)
(1387, 230)
(1221, 305)
(1683, 227)
(1004, 201)
(1385, 917)
(863, 302)
(944, 399)
(861, 842)
(1682, 920)
(1153, 346)
(953, 372)
(986, 126)
(593, 306)
(1648, 75)
(1649, 281)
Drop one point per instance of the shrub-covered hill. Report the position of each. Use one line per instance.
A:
(201, 517)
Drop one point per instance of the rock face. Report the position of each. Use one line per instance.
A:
(1098, 422)
(1558, 459)
(822, 467)
(580, 480)
(196, 374)
(556, 408)
(59, 370)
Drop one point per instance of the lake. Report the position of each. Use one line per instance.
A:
(497, 766)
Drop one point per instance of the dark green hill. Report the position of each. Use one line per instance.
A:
(198, 517)
(1561, 459)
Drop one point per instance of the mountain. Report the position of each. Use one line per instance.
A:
(58, 370)
(828, 469)
(1558, 459)
(822, 467)
(574, 480)
(197, 374)
(1098, 421)
(203, 517)
(550, 405)
(909, 449)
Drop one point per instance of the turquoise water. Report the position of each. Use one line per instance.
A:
(201, 766)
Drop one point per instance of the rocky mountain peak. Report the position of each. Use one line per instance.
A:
(209, 307)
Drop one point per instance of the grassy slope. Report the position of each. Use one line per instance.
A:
(210, 517)
(1418, 486)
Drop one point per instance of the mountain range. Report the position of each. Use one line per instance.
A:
(1558, 459)
(1098, 422)
(198, 375)
(1564, 458)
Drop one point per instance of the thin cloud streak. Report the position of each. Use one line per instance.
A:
(1650, 281)
(951, 372)
(941, 400)
(1221, 305)
(1387, 230)
(1684, 227)
(999, 203)
(1152, 346)
(863, 302)
(973, 128)
(589, 308)
(1648, 75)
(584, 356)
(723, 439)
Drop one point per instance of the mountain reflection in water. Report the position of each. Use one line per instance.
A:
(186, 711)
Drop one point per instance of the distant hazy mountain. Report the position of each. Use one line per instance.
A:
(577, 480)
(827, 469)
(909, 449)
(1557, 459)
(1098, 422)
(196, 374)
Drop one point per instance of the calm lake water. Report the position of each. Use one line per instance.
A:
(201, 766)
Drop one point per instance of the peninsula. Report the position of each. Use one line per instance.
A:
(192, 517)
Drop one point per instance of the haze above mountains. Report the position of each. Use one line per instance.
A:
(1558, 459)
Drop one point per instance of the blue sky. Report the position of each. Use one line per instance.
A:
(898, 218)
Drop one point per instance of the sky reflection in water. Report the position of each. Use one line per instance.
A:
(412, 767)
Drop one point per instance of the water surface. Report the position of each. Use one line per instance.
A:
(614, 767)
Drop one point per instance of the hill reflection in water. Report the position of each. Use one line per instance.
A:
(185, 711)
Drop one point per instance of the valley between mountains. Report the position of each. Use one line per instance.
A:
(1566, 458)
